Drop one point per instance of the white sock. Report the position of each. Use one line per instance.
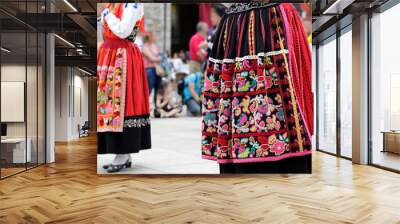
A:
(121, 159)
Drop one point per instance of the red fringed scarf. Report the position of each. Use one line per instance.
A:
(299, 64)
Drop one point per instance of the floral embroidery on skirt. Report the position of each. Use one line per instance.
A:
(249, 114)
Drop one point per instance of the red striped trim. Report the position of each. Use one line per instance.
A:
(269, 133)
(211, 94)
(216, 135)
(242, 135)
(253, 67)
(218, 95)
(260, 159)
(209, 157)
(272, 90)
(226, 95)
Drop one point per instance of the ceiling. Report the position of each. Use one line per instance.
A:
(74, 22)
(330, 15)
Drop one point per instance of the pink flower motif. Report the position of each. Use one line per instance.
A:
(236, 146)
(261, 126)
(235, 102)
(252, 107)
(227, 112)
(241, 82)
(242, 120)
(278, 125)
(268, 82)
(207, 84)
(246, 64)
(278, 148)
(116, 121)
(118, 63)
(263, 108)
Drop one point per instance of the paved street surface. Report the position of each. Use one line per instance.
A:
(176, 150)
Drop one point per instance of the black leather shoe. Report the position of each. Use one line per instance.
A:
(116, 168)
(105, 166)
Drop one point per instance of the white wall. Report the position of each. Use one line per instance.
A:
(71, 102)
(16, 73)
(80, 99)
(33, 127)
(385, 71)
(11, 73)
(61, 103)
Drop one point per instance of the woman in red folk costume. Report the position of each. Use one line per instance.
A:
(123, 108)
(258, 104)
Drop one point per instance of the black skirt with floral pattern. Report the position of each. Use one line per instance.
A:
(249, 110)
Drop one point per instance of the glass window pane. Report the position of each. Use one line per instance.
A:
(13, 85)
(23, 82)
(346, 94)
(385, 84)
(32, 98)
(41, 99)
(327, 96)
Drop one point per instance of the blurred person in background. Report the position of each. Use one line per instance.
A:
(217, 12)
(198, 47)
(169, 103)
(176, 62)
(152, 58)
(192, 92)
(183, 55)
(179, 65)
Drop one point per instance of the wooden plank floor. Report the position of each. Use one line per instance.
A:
(70, 191)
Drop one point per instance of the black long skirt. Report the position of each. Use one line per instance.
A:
(136, 136)
(250, 107)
